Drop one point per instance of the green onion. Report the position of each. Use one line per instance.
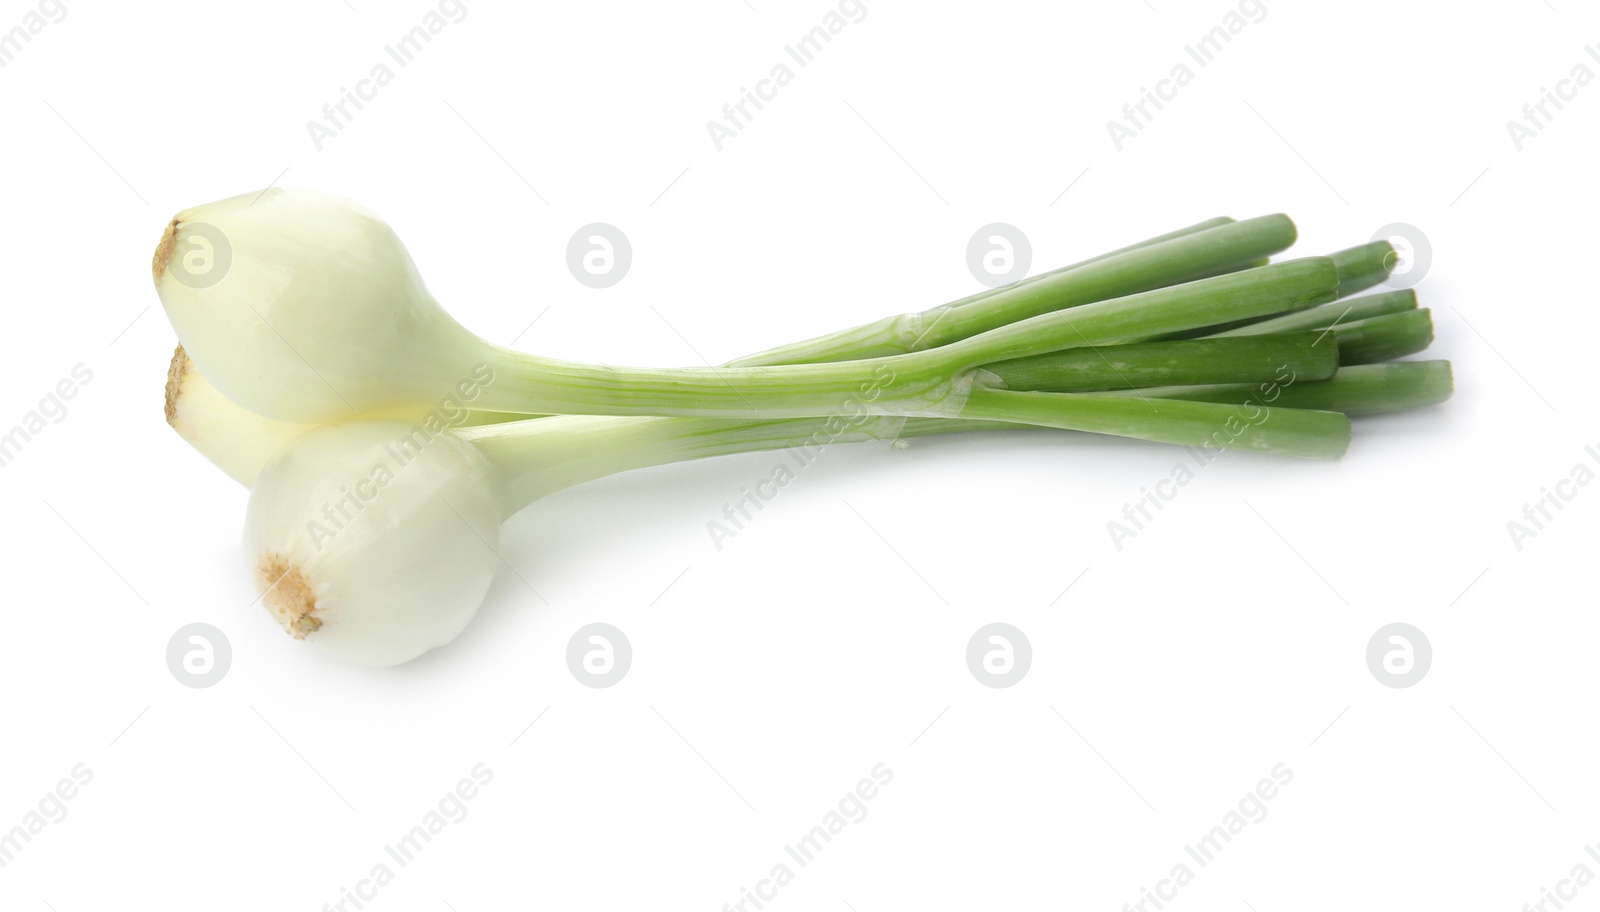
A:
(1345, 310)
(376, 537)
(1367, 389)
(1173, 363)
(321, 317)
(1198, 252)
(1363, 267)
(1382, 338)
(1282, 432)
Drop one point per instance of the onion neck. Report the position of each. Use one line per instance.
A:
(534, 458)
(918, 383)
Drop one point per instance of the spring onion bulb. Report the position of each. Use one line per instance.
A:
(235, 439)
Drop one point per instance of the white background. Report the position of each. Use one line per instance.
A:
(769, 676)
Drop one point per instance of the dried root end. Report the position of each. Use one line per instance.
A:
(287, 594)
(176, 372)
(164, 250)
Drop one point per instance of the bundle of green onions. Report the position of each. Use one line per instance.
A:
(384, 444)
